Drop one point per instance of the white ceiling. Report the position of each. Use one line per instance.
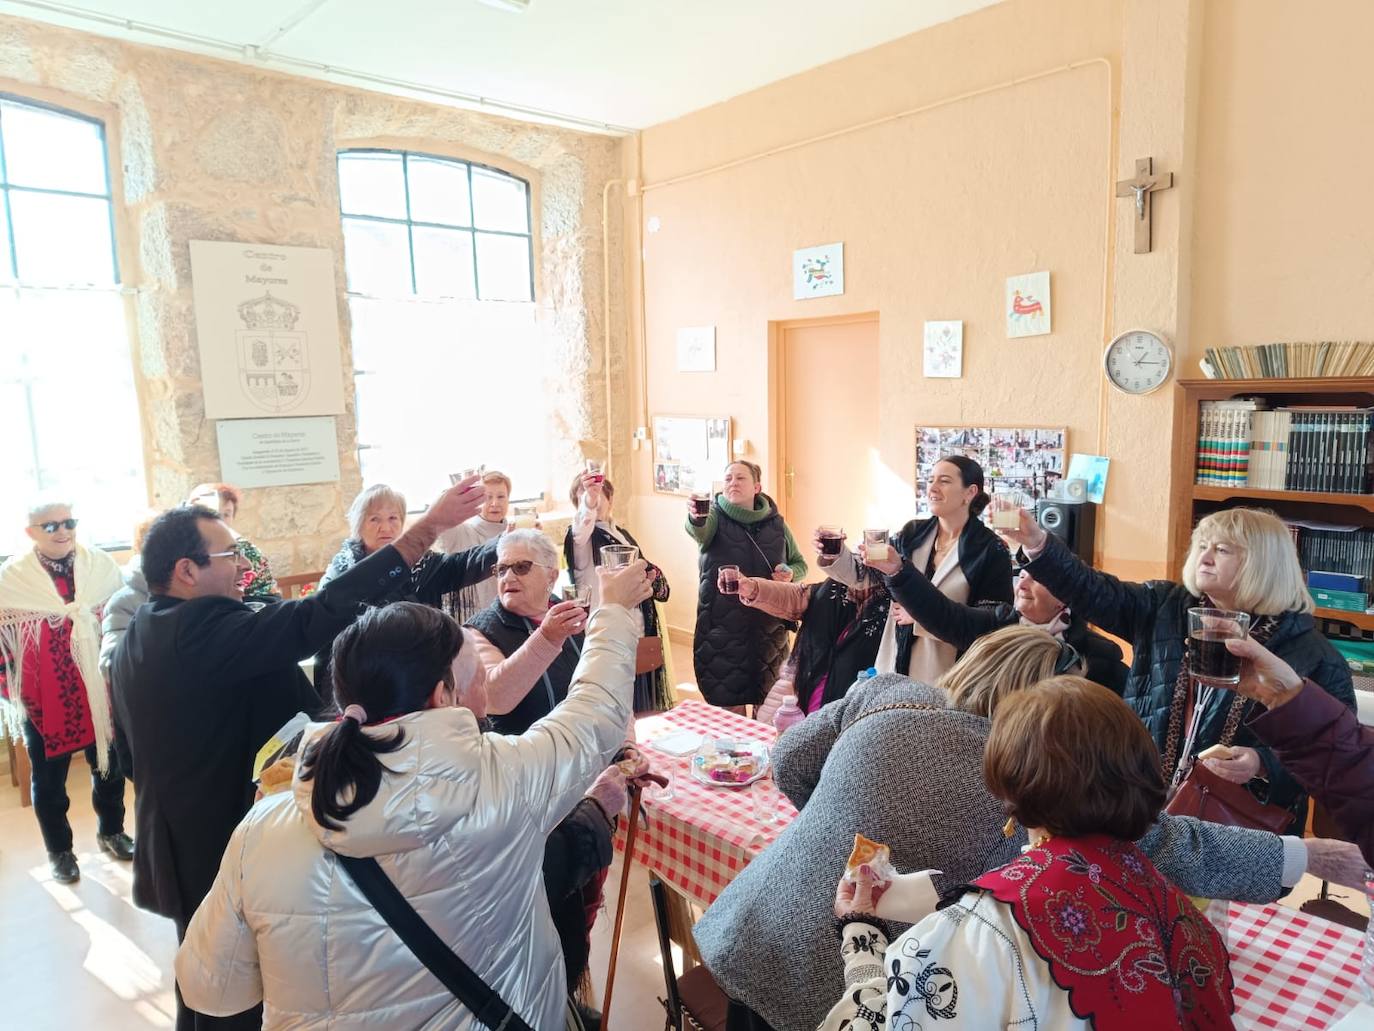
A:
(601, 64)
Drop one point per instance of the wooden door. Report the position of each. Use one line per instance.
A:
(829, 426)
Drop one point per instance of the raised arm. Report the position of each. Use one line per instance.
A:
(510, 679)
(959, 625)
(784, 600)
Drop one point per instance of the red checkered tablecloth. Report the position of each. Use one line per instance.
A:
(699, 839)
(1291, 970)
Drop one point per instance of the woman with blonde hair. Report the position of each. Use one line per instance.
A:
(902, 763)
(1241, 559)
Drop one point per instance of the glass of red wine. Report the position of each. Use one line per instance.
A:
(832, 539)
(1208, 631)
(701, 503)
(727, 578)
(595, 470)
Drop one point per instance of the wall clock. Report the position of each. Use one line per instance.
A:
(1137, 361)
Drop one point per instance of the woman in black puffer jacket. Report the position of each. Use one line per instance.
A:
(1241, 559)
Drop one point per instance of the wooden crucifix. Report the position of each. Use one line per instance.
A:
(1140, 188)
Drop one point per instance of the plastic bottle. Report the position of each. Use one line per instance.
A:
(789, 714)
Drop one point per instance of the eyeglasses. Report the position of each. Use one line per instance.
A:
(1068, 659)
(52, 526)
(234, 553)
(518, 568)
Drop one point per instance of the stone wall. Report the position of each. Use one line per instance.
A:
(203, 149)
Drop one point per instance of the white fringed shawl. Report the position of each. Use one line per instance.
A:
(28, 599)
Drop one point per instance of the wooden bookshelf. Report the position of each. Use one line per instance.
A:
(1192, 501)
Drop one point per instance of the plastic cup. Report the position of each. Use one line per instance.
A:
(1006, 508)
(613, 556)
(832, 539)
(875, 545)
(1208, 631)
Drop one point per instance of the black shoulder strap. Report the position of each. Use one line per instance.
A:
(445, 964)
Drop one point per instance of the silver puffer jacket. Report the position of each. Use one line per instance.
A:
(459, 827)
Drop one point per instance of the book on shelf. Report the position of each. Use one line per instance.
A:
(1315, 448)
(1290, 360)
(1337, 558)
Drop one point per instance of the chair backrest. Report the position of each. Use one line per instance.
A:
(298, 584)
(662, 920)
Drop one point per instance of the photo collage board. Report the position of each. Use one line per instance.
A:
(1026, 459)
(690, 452)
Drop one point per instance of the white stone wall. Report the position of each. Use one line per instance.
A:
(212, 150)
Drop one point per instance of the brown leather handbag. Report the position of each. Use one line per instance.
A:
(1210, 797)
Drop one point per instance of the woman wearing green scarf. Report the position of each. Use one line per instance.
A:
(737, 650)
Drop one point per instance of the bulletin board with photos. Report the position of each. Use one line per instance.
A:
(1029, 459)
(690, 452)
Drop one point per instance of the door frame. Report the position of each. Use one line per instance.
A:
(777, 396)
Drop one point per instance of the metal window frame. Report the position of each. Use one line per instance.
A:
(6, 187)
(471, 228)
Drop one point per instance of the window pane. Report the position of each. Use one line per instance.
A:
(6, 272)
(52, 151)
(443, 262)
(376, 258)
(372, 184)
(499, 202)
(503, 267)
(439, 191)
(61, 239)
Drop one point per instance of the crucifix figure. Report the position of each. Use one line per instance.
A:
(1140, 188)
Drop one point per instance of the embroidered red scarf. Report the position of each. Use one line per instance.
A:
(1130, 949)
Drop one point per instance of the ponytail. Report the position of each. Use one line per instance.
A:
(343, 762)
(386, 664)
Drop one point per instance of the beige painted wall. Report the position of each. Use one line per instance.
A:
(935, 210)
(1285, 217)
(215, 150)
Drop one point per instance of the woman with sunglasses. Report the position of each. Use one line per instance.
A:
(529, 641)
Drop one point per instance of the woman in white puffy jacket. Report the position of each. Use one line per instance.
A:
(456, 818)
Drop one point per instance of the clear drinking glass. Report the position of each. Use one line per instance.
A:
(763, 793)
(1007, 506)
(832, 539)
(595, 469)
(876, 547)
(728, 579)
(1208, 632)
(615, 555)
(701, 503)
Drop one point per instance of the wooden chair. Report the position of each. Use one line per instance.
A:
(295, 586)
(695, 1002)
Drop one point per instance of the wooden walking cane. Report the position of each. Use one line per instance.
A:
(634, 792)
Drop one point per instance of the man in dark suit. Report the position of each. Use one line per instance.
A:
(201, 681)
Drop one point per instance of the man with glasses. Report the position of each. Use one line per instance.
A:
(201, 681)
(51, 688)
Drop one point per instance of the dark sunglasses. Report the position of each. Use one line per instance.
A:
(518, 568)
(57, 524)
(1068, 659)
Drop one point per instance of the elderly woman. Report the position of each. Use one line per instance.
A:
(1079, 932)
(593, 528)
(901, 762)
(529, 641)
(258, 583)
(1241, 559)
(737, 651)
(1032, 605)
(406, 785)
(377, 518)
(960, 556)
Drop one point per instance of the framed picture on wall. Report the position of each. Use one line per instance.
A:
(1025, 459)
(690, 452)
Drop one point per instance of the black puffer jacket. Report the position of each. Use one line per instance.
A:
(738, 650)
(1153, 616)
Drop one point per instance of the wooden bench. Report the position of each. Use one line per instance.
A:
(298, 585)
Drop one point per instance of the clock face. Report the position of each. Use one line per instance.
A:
(1137, 361)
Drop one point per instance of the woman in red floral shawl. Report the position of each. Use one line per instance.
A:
(51, 689)
(1080, 932)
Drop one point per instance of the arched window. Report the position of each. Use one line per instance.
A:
(447, 366)
(68, 408)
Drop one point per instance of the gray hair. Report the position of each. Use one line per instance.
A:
(377, 495)
(544, 552)
(37, 508)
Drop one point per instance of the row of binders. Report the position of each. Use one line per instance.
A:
(1278, 361)
(1325, 449)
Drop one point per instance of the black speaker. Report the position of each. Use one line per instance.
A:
(1073, 523)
